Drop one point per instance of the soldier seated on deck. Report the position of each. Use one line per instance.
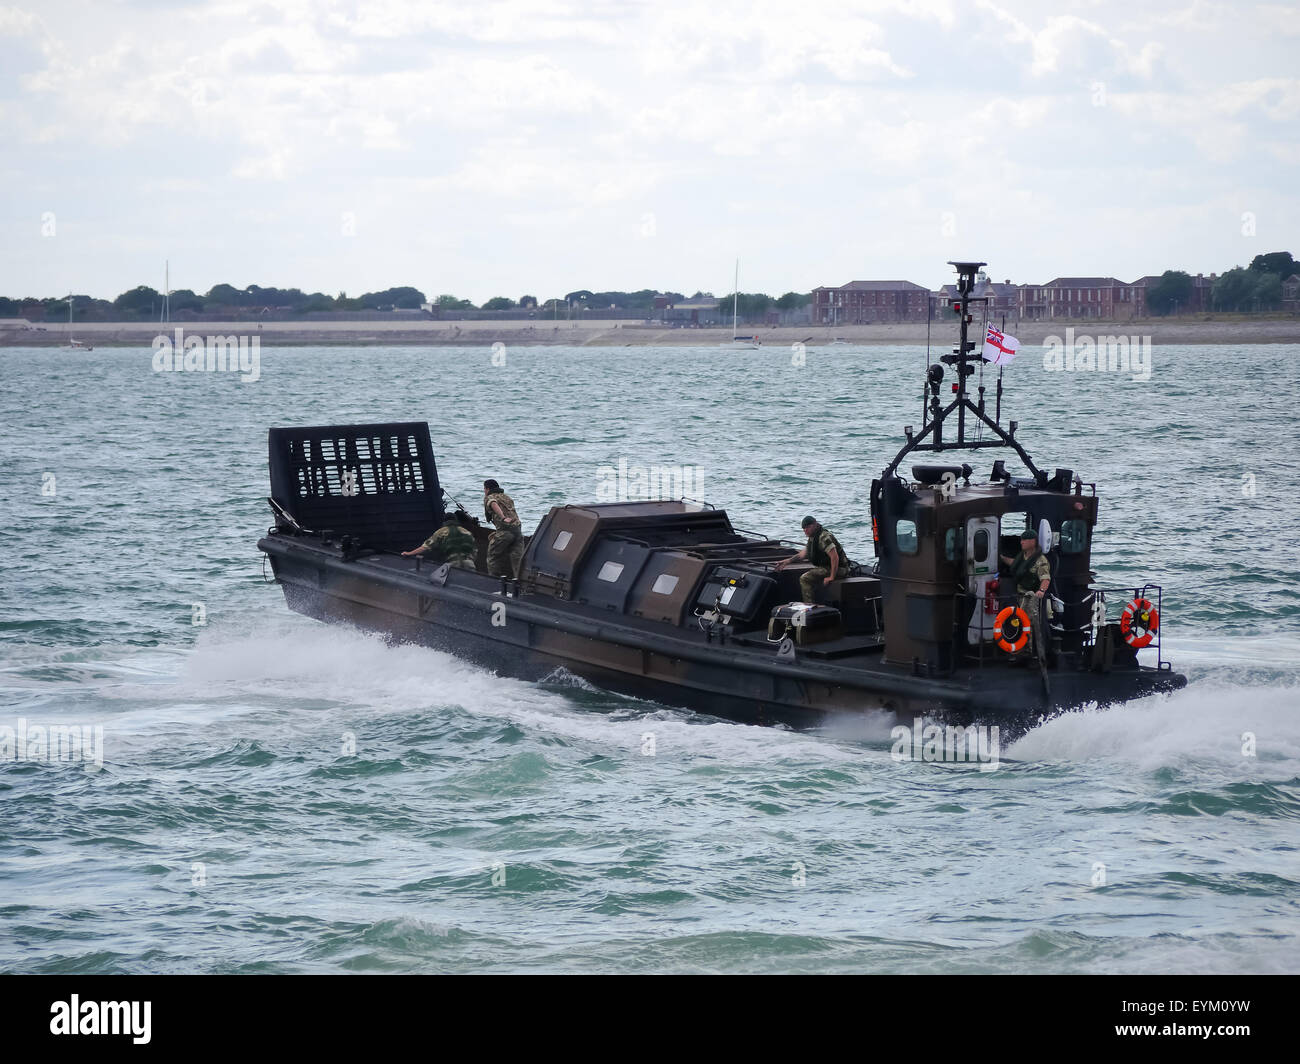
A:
(829, 561)
(450, 544)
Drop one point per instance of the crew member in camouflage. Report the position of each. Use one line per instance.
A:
(1032, 576)
(829, 561)
(506, 547)
(450, 544)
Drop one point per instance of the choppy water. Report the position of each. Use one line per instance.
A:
(489, 825)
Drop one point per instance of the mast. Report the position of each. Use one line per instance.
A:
(735, 301)
(963, 359)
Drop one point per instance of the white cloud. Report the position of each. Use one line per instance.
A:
(526, 138)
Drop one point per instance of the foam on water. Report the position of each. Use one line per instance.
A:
(1203, 725)
(297, 661)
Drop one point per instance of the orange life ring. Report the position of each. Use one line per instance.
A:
(1015, 620)
(1139, 623)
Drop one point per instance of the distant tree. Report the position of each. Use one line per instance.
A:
(1234, 290)
(793, 301)
(1276, 262)
(182, 299)
(748, 306)
(317, 301)
(499, 303)
(527, 302)
(452, 303)
(405, 298)
(1268, 290)
(1172, 290)
(225, 295)
(140, 302)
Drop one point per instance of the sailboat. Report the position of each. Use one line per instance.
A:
(76, 345)
(750, 342)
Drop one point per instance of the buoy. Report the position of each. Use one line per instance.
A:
(1011, 629)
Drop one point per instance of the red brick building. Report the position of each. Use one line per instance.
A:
(866, 302)
(1074, 298)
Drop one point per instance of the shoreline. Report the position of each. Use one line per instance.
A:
(635, 333)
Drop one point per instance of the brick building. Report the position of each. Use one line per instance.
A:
(1077, 297)
(1291, 294)
(866, 302)
(1004, 300)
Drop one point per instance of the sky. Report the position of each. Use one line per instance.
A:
(540, 147)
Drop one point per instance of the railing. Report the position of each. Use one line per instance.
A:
(963, 602)
(1144, 591)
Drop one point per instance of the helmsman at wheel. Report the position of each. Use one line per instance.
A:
(830, 563)
(1032, 576)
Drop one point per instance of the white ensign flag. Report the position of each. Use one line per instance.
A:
(999, 348)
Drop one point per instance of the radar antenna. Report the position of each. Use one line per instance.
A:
(963, 359)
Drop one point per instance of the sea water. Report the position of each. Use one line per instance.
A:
(277, 795)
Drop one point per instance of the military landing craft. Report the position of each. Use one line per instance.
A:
(668, 600)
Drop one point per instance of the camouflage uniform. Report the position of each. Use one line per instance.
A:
(1029, 572)
(506, 547)
(818, 552)
(453, 545)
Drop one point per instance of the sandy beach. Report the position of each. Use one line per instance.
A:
(637, 333)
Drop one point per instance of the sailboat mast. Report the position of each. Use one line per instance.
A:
(735, 300)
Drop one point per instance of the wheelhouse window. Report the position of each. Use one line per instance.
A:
(1074, 535)
(1014, 523)
(905, 536)
(980, 545)
(562, 540)
(951, 544)
(610, 571)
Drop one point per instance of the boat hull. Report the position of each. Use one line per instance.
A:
(530, 637)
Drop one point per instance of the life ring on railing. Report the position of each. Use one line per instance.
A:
(1015, 623)
(1139, 623)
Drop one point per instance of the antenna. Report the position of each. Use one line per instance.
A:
(962, 359)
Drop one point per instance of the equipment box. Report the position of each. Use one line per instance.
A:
(738, 593)
(805, 624)
(858, 599)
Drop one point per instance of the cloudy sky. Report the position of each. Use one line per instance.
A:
(533, 146)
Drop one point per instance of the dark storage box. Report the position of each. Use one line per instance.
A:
(805, 624)
(858, 599)
(742, 593)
